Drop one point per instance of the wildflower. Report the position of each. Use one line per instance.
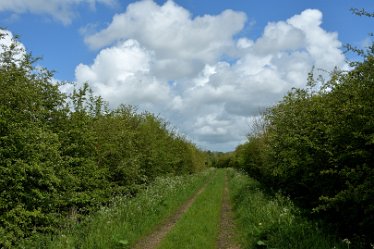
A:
(346, 241)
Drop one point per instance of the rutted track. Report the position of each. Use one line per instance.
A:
(226, 239)
(152, 240)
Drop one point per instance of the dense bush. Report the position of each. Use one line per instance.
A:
(64, 156)
(273, 221)
(318, 147)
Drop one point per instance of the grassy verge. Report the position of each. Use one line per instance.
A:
(273, 222)
(121, 224)
(198, 228)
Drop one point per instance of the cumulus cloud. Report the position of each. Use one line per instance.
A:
(173, 35)
(161, 58)
(6, 40)
(122, 74)
(62, 11)
(322, 46)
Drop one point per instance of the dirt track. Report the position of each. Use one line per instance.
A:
(226, 239)
(153, 240)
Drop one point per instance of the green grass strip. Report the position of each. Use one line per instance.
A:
(128, 219)
(273, 221)
(198, 227)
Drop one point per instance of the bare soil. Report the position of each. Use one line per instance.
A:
(153, 240)
(226, 238)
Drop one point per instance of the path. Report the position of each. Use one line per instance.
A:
(153, 240)
(226, 239)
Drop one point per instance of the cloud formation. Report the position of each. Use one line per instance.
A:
(173, 36)
(6, 40)
(60, 10)
(198, 74)
(122, 74)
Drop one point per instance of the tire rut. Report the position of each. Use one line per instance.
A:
(226, 238)
(153, 240)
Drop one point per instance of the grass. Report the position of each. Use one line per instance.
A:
(128, 219)
(262, 221)
(198, 227)
(273, 221)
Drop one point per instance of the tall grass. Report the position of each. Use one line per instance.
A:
(273, 221)
(127, 219)
(198, 228)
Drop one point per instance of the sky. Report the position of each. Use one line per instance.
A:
(208, 67)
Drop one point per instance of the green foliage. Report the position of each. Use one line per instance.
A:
(29, 150)
(126, 219)
(317, 146)
(222, 160)
(362, 12)
(62, 157)
(265, 221)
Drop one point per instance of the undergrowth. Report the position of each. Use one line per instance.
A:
(265, 221)
(126, 220)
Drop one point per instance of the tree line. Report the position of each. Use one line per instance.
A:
(63, 156)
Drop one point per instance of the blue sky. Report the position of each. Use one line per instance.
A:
(210, 85)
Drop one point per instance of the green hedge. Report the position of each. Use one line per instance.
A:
(318, 147)
(64, 156)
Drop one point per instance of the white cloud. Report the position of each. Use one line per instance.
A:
(160, 57)
(122, 74)
(62, 11)
(7, 39)
(321, 45)
(280, 36)
(175, 37)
